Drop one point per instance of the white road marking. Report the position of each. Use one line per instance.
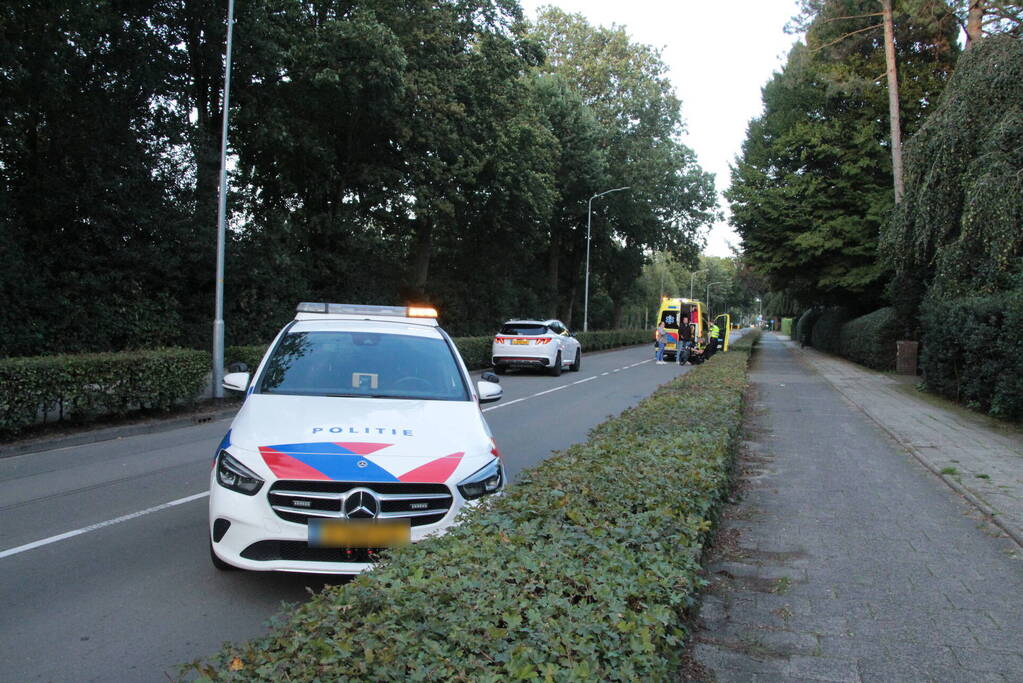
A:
(604, 373)
(585, 380)
(100, 525)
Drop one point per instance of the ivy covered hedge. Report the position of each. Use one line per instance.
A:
(84, 385)
(972, 351)
(581, 571)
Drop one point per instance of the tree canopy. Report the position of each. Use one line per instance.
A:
(381, 151)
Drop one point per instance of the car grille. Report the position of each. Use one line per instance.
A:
(300, 551)
(297, 501)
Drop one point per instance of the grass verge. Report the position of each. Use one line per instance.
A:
(583, 570)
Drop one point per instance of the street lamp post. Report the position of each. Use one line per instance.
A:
(586, 287)
(709, 285)
(694, 274)
(218, 321)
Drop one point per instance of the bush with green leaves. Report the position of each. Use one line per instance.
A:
(581, 571)
(827, 330)
(86, 385)
(972, 351)
(871, 339)
(804, 325)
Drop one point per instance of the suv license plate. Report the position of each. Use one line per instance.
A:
(330, 533)
(522, 342)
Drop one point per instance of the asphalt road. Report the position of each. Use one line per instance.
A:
(104, 567)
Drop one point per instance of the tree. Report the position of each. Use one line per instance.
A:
(625, 86)
(958, 232)
(811, 188)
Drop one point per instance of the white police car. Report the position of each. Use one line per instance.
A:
(361, 430)
(535, 344)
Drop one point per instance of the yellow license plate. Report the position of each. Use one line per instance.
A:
(330, 533)
(522, 342)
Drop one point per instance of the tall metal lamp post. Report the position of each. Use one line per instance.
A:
(709, 285)
(218, 321)
(586, 287)
(691, 277)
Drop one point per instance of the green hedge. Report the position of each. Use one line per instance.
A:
(805, 323)
(786, 326)
(476, 350)
(871, 339)
(972, 351)
(581, 571)
(86, 385)
(827, 330)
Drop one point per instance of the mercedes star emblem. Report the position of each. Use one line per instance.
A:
(361, 504)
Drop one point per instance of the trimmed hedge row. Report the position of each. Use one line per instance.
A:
(827, 331)
(871, 339)
(85, 385)
(581, 571)
(476, 350)
(972, 351)
(804, 326)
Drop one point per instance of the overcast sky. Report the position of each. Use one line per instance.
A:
(720, 55)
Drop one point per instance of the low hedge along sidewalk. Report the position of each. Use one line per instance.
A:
(581, 571)
(91, 384)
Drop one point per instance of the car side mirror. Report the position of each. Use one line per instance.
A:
(489, 391)
(490, 377)
(236, 381)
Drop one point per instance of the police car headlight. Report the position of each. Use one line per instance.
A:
(489, 479)
(235, 476)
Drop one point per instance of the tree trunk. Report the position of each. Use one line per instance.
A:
(893, 99)
(617, 310)
(552, 273)
(422, 250)
(974, 22)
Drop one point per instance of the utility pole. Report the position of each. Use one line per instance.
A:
(893, 99)
(693, 275)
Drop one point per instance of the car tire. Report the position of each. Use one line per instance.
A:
(219, 563)
(574, 367)
(556, 368)
(500, 369)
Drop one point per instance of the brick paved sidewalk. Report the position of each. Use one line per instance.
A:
(844, 558)
(977, 455)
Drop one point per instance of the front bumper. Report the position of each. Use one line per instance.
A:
(258, 540)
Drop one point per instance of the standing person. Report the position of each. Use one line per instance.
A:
(661, 336)
(685, 340)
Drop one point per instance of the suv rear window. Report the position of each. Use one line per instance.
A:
(526, 330)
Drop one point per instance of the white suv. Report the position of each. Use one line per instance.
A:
(361, 429)
(536, 344)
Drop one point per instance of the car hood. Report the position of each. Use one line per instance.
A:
(357, 439)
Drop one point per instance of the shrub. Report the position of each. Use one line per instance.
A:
(581, 571)
(475, 351)
(786, 326)
(804, 326)
(86, 385)
(971, 351)
(871, 339)
(827, 330)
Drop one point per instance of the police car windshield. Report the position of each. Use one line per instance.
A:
(363, 364)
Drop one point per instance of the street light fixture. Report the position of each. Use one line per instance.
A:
(589, 220)
(218, 320)
(695, 273)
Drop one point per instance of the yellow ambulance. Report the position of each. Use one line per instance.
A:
(671, 312)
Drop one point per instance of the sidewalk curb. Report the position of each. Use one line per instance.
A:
(111, 433)
(992, 515)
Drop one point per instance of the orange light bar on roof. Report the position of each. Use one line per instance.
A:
(421, 312)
